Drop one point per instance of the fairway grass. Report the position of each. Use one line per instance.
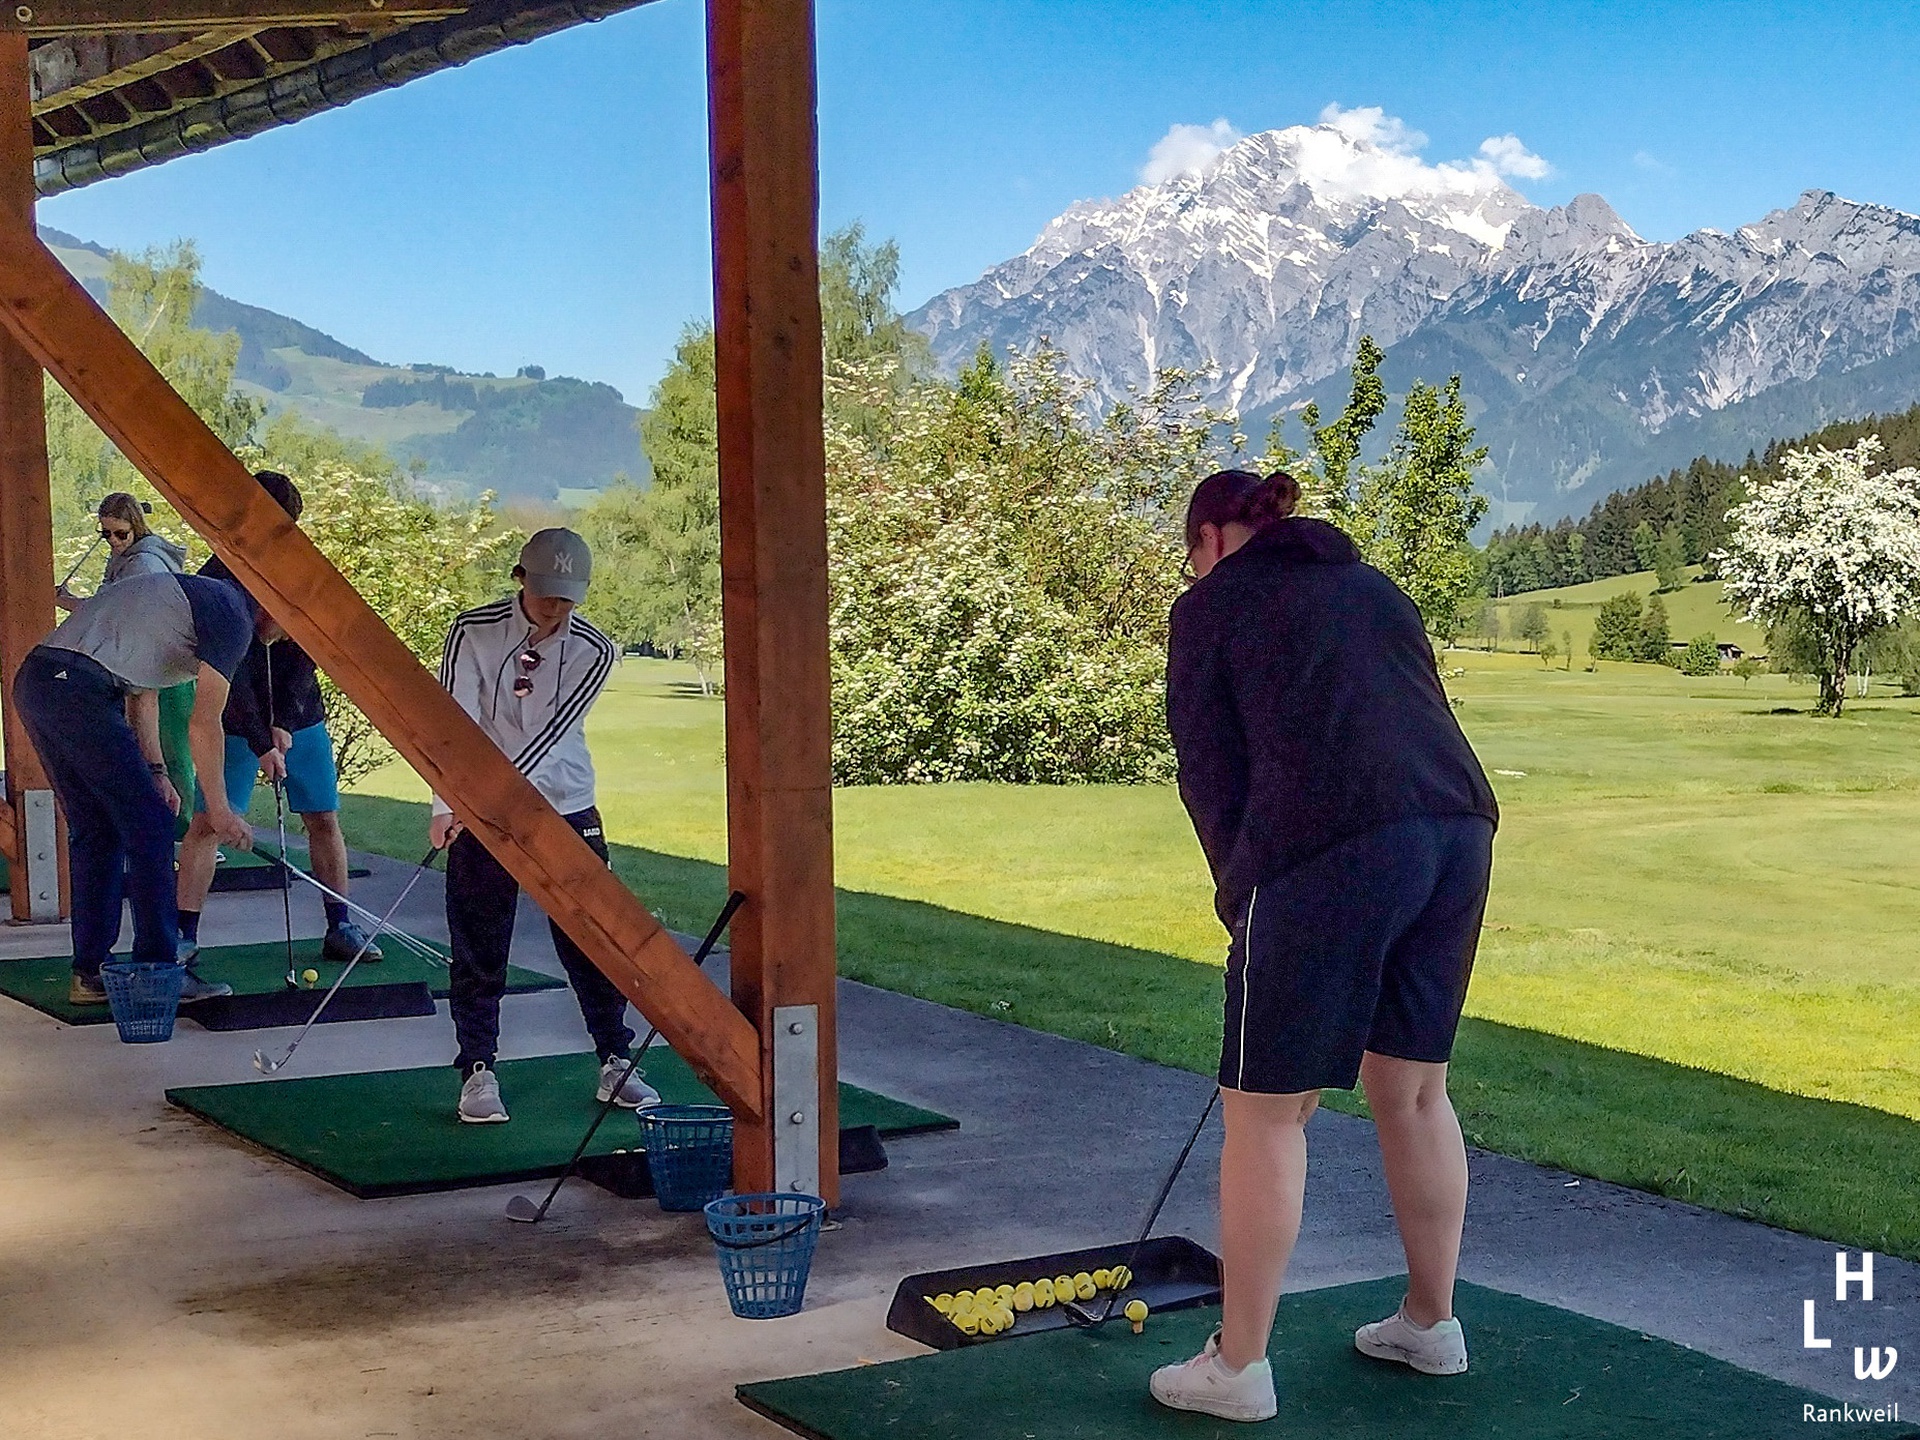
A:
(1698, 975)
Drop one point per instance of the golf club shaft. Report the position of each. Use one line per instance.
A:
(286, 886)
(734, 902)
(411, 942)
(81, 561)
(1160, 1200)
(400, 899)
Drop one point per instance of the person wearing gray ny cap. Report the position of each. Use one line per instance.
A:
(527, 668)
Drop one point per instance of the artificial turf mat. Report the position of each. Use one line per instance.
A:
(258, 970)
(1538, 1373)
(393, 1132)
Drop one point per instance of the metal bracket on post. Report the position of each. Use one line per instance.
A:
(796, 1099)
(42, 877)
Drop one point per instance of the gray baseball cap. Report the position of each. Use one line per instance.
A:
(557, 562)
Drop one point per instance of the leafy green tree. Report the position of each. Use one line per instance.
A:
(1413, 512)
(1617, 628)
(1701, 657)
(1746, 667)
(151, 297)
(1654, 641)
(1548, 653)
(1488, 625)
(1566, 649)
(1534, 627)
(1331, 469)
(1670, 559)
(657, 550)
(1645, 543)
(417, 561)
(1576, 557)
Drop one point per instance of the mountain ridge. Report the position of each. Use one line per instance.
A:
(1590, 356)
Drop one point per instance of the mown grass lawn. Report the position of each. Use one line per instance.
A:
(1698, 975)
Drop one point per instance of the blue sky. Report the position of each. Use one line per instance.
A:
(474, 219)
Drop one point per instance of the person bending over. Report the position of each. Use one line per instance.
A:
(275, 726)
(1349, 830)
(527, 668)
(86, 695)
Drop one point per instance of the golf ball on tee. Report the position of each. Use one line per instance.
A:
(311, 977)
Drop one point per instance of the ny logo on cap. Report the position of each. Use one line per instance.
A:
(562, 563)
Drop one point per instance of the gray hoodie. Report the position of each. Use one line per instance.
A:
(149, 555)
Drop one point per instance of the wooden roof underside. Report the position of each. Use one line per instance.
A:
(119, 85)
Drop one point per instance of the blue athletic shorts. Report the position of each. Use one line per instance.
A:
(1367, 946)
(313, 785)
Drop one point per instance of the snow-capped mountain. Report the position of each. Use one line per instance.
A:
(1591, 357)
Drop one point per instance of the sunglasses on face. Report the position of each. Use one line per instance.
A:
(109, 534)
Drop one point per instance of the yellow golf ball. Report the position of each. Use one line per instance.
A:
(1043, 1293)
(943, 1303)
(961, 1304)
(1122, 1278)
(312, 977)
(1083, 1286)
(1022, 1298)
(987, 1322)
(1003, 1293)
(1063, 1288)
(1102, 1279)
(1136, 1312)
(967, 1322)
(985, 1298)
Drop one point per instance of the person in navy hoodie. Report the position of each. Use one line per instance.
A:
(1349, 830)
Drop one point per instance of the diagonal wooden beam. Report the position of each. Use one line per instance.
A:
(46, 18)
(9, 850)
(48, 312)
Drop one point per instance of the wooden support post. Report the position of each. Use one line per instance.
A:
(36, 873)
(773, 545)
(58, 322)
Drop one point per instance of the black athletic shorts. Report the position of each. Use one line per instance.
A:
(1367, 946)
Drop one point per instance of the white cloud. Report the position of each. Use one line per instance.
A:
(1647, 161)
(1509, 157)
(1187, 150)
(1365, 151)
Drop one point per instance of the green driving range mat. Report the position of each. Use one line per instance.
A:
(1538, 1373)
(253, 970)
(393, 1132)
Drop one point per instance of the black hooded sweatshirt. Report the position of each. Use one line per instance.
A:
(277, 685)
(1306, 709)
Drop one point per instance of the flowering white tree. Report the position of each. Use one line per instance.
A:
(1833, 544)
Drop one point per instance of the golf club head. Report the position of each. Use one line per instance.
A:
(522, 1209)
(1080, 1315)
(262, 1063)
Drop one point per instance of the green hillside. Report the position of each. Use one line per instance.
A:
(525, 437)
(1694, 609)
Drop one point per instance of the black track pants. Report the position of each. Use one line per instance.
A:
(481, 900)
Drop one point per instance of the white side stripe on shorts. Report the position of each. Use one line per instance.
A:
(1246, 984)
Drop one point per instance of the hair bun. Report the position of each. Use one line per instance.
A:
(1276, 499)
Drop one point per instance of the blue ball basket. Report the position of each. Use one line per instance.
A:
(144, 996)
(689, 1153)
(765, 1245)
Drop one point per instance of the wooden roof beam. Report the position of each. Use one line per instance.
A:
(48, 313)
(55, 18)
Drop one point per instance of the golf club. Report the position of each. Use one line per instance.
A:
(260, 1060)
(409, 941)
(522, 1209)
(98, 541)
(1078, 1314)
(286, 886)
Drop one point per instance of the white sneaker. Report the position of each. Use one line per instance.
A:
(480, 1098)
(1436, 1349)
(635, 1094)
(1204, 1384)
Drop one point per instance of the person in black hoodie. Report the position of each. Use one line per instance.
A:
(1349, 829)
(276, 726)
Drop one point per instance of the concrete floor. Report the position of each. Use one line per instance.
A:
(158, 1277)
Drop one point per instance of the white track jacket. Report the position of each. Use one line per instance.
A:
(542, 733)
